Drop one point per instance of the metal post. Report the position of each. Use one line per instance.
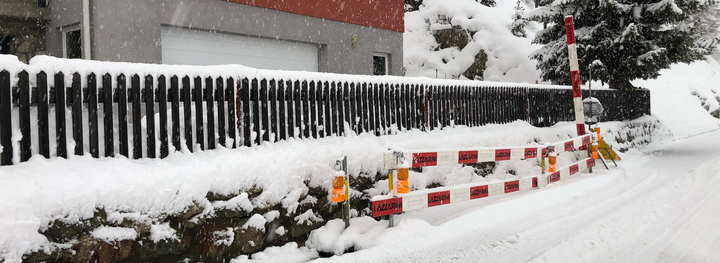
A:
(391, 190)
(346, 206)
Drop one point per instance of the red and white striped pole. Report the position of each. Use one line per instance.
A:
(575, 75)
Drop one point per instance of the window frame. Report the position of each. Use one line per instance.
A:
(387, 62)
(64, 31)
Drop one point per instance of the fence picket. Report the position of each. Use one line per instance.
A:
(77, 125)
(254, 114)
(305, 97)
(122, 115)
(333, 92)
(272, 97)
(327, 116)
(356, 107)
(297, 102)
(290, 105)
(150, 116)
(197, 97)
(340, 98)
(186, 97)
(232, 110)
(24, 114)
(346, 107)
(136, 116)
(175, 112)
(313, 109)
(282, 116)
(371, 111)
(108, 131)
(6, 119)
(92, 101)
(42, 117)
(162, 109)
(209, 105)
(264, 114)
(220, 100)
(245, 113)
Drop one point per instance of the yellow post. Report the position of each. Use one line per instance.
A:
(390, 181)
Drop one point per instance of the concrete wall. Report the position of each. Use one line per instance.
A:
(63, 13)
(27, 23)
(130, 31)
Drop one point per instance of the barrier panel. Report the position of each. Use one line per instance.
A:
(395, 203)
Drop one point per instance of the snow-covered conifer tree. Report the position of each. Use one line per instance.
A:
(519, 20)
(634, 39)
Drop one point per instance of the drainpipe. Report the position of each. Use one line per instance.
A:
(86, 29)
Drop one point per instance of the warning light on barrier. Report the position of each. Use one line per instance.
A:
(552, 163)
(597, 133)
(594, 149)
(403, 183)
(338, 189)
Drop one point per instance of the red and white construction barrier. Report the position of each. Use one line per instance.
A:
(402, 159)
(388, 204)
(394, 204)
(575, 75)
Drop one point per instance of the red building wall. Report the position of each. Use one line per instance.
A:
(385, 14)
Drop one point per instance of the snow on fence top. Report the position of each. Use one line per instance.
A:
(52, 65)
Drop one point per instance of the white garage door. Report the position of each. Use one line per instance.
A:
(192, 47)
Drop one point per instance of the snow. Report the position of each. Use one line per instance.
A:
(288, 253)
(308, 218)
(52, 65)
(224, 237)
(673, 103)
(333, 237)
(256, 221)
(113, 234)
(508, 55)
(658, 206)
(240, 201)
(280, 231)
(271, 215)
(41, 190)
(159, 232)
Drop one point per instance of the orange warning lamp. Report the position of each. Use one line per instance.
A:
(552, 161)
(403, 184)
(597, 133)
(594, 149)
(338, 189)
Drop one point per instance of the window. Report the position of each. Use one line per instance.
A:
(72, 43)
(380, 64)
(6, 44)
(42, 3)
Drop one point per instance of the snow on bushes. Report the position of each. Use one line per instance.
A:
(489, 29)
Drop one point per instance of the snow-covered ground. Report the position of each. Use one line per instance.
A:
(660, 205)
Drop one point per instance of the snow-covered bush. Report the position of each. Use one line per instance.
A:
(490, 33)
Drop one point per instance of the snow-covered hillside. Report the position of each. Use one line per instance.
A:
(507, 55)
(685, 96)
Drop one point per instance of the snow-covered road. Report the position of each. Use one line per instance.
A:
(662, 205)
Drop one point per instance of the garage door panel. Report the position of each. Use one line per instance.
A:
(192, 47)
